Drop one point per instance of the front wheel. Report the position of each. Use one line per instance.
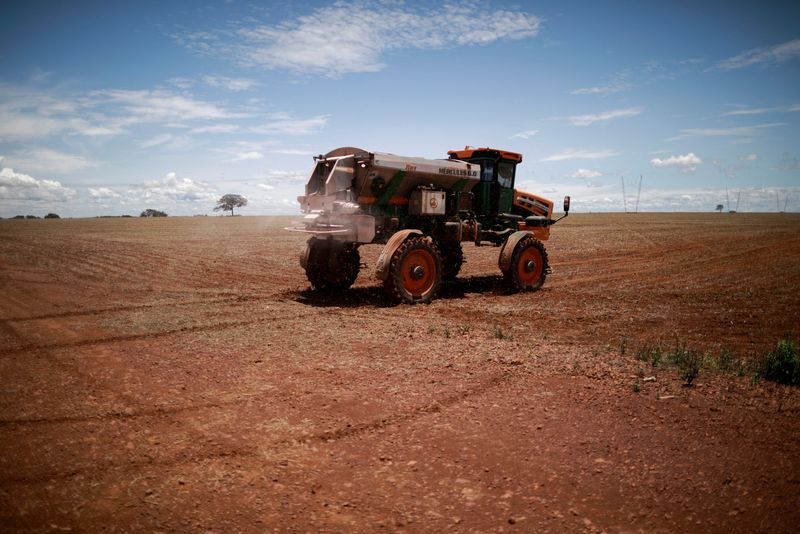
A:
(415, 271)
(331, 265)
(528, 268)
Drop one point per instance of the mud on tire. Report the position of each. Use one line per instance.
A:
(331, 265)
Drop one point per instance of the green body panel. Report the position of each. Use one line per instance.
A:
(391, 188)
(483, 198)
(505, 200)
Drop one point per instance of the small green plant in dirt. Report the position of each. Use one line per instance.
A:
(499, 334)
(446, 333)
(781, 365)
(637, 386)
(464, 329)
(687, 360)
(431, 330)
(623, 346)
(651, 354)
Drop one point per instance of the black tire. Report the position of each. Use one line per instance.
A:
(415, 271)
(528, 268)
(332, 265)
(452, 259)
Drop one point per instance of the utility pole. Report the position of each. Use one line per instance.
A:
(624, 198)
(639, 193)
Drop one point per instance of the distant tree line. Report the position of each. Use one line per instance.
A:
(48, 216)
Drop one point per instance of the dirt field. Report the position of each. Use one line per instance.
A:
(176, 375)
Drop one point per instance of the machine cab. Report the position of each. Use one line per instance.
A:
(495, 192)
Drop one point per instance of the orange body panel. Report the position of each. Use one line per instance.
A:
(469, 151)
(542, 233)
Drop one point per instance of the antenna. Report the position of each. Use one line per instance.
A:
(639, 193)
(624, 198)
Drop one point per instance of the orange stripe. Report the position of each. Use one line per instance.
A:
(394, 201)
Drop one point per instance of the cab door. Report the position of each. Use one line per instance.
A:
(505, 185)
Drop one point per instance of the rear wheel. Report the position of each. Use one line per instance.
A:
(331, 265)
(452, 259)
(528, 268)
(415, 272)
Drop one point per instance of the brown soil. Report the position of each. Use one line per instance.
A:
(176, 374)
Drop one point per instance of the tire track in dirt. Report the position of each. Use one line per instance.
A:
(150, 335)
(341, 433)
(137, 307)
(159, 411)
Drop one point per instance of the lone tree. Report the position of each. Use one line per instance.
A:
(152, 213)
(720, 207)
(229, 201)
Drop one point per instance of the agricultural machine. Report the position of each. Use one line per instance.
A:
(421, 210)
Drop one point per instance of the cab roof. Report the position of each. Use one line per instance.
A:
(469, 151)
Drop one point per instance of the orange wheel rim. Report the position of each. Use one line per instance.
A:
(530, 265)
(419, 272)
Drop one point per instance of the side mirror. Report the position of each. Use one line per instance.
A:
(566, 204)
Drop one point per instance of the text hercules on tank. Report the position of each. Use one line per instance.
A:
(422, 210)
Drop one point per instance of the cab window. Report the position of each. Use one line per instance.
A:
(505, 174)
(487, 171)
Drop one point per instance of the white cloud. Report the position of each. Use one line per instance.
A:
(527, 134)
(586, 173)
(157, 140)
(161, 106)
(289, 126)
(574, 153)
(283, 177)
(586, 120)
(45, 160)
(18, 186)
(760, 111)
(26, 115)
(349, 37)
(725, 132)
(291, 152)
(216, 128)
(245, 156)
(173, 188)
(231, 84)
(266, 187)
(688, 162)
(749, 111)
(750, 157)
(618, 84)
(167, 141)
(182, 83)
(762, 56)
(102, 193)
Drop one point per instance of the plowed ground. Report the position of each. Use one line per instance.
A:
(177, 375)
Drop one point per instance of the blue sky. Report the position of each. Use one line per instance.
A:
(113, 107)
